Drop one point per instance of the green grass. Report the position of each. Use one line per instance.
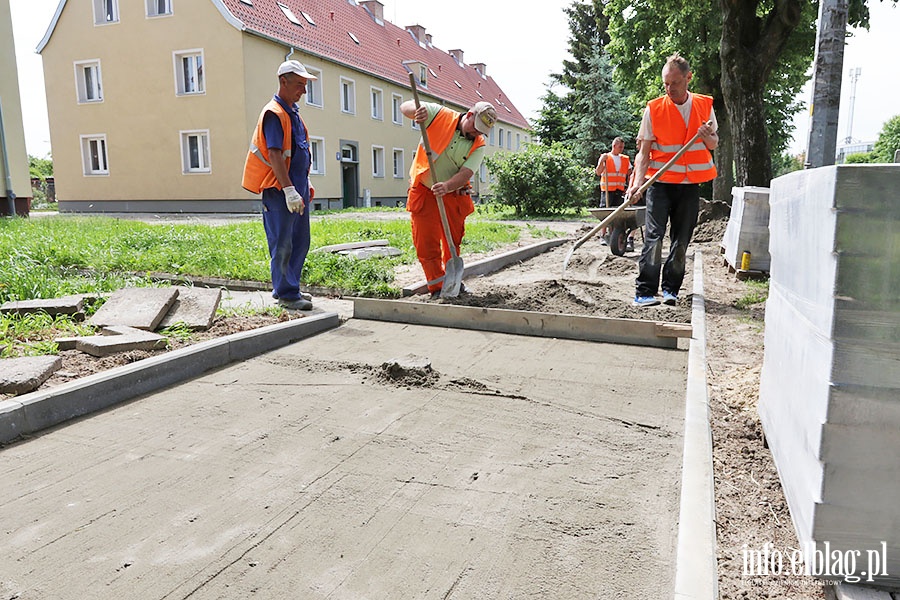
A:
(32, 334)
(53, 256)
(758, 292)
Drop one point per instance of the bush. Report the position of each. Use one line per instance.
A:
(541, 180)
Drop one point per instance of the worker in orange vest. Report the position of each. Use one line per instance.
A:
(277, 166)
(669, 122)
(457, 142)
(613, 169)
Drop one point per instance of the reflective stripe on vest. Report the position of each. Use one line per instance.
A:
(614, 179)
(440, 133)
(696, 165)
(258, 173)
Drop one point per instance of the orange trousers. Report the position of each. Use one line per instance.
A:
(428, 233)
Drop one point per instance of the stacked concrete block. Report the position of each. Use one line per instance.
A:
(830, 386)
(748, 228)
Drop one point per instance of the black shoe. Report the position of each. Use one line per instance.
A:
(463, 289)
(298, 304)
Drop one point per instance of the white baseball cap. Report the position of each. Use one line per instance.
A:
(294, 66)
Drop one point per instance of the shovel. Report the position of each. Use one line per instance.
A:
(453, 270)
(627, 202)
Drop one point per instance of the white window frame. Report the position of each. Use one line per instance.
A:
(106, 12)
(203, 146)
(396, 115)
(508, 139)
(348, 96)
(317, 155)
(499, 136)
(314, 95)
(482, 172)
(399, 163)
(90, 142)
(491, 137)
(378, 161)
(199, 71)
(153, 8)
(81, 83)
(376, 96)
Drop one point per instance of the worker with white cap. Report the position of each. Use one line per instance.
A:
(277, 166)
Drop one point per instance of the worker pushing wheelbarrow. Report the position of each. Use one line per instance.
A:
(613, 169)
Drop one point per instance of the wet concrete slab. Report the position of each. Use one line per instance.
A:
(520, 466)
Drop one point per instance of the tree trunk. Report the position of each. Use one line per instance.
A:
(750, 47)
(827, 74)
(723, 154)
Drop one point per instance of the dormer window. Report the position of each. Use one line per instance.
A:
(289, 14)
(423, 76)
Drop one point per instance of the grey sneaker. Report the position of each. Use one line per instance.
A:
(298, 304)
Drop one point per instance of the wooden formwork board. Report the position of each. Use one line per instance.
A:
(659, 334)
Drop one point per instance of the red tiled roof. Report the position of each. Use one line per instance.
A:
(382, 49)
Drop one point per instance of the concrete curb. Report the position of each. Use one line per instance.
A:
(696, 573)
(494, 263)
(30, 413)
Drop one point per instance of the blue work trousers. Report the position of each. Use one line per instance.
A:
(288, 237)
(677, 204)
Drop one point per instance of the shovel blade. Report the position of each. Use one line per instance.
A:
(453, 274)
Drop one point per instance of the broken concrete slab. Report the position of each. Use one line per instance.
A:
(374, 252)
(119, 338)
(66, 305)
(141, 308)
(195, 307)
(351, 246)
(27, 373)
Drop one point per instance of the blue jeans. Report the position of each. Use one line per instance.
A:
(288, 236)
(679, 205)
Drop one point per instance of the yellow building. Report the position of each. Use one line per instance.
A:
(15, 182)
(152, 102)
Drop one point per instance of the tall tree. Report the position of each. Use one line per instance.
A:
(644, 33)
(554, 122)
(756, 36)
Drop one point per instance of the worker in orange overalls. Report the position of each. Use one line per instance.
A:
(457, 143)
(669, 122)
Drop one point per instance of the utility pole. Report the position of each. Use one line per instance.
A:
(827, 70)
(854, 75)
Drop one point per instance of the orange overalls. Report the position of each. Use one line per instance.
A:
(427, 231)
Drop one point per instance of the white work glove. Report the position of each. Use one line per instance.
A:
(293, 199)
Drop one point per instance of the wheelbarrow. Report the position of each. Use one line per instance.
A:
(631, 219)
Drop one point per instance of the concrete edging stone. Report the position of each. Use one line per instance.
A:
(33, 412)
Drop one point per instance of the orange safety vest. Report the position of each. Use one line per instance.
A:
(614, 179)
(258, 173)
(695, 165)
(440, 133)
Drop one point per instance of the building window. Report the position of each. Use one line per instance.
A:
(106, 11)
(482, 173)
(88, 82)
(289, 14)
(158, 8)
(314, 88)
(423, 76)
(348, 96)
(399, 171)
(509, 140)
(396, 115)
(195, 151)
(93, 154)
(377, 104)
(499, 136)
(491, 137)
(377, 161)
(189, 76)
(317, 156)
(518, 141)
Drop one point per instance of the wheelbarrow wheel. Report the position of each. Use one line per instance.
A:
(618, 239)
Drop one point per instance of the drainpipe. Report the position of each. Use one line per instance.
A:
(289, 54)
(10, 194)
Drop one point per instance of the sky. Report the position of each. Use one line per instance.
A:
(521, 46)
